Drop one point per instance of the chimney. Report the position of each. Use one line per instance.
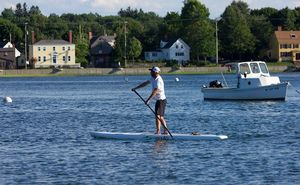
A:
(32, 37)
(70, 37)
(279, 28)
(90, 35)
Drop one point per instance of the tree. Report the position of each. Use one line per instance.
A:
(120, 46)
(8, 14)
(266, 12)
(82, 52)
(171, 26)
(286, 18)
(135, 48)
(197, 30)
(56, 27)
(297, 14)
(7, 28)
(235, 35)
(133, 13)
(35, 10)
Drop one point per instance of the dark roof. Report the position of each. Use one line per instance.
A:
(52, 42)
(97, 40)
(170, 43)
(100, 45)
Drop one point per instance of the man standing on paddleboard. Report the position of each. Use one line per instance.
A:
(158, 94)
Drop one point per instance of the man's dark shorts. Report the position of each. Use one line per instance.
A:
(160, 107)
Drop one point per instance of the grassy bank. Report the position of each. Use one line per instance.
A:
(123, 71)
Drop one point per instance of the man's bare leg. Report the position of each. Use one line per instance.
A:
(157, 122)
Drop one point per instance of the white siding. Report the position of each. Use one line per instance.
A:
(179, 51)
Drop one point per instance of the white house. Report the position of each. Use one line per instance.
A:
(10, 45)
(175, 49)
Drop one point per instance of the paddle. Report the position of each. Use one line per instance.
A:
(153, 113)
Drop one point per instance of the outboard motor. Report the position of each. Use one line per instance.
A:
(215, 84)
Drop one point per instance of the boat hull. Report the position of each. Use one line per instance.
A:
(269, 92)
(151, 136)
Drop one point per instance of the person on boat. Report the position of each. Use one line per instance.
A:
(158, 94)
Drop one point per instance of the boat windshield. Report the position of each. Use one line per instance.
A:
(244, 68)
(254, 68)
(263, 68)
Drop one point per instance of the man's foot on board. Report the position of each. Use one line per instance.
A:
(157, 133)
(165, 133)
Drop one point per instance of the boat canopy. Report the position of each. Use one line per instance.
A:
(252, 69)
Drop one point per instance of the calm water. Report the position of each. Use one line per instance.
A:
(45, 137)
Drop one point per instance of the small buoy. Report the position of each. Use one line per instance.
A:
(177, 79)
(7, 99)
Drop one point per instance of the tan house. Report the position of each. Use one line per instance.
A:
(53, 53)
(285, 46)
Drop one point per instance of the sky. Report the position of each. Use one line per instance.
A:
(160, 7)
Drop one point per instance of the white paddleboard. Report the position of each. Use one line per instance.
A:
(149, 136)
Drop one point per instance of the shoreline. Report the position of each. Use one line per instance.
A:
(122, 71)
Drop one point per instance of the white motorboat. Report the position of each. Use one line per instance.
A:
(253, 83)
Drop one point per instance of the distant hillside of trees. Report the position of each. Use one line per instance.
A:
(242, 33)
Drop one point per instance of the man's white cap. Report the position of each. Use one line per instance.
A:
(155, 69)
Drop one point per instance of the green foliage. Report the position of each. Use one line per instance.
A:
(7, 28)
(135, 48)
(170, 28)
(120, 45)
(235, 34)
(243, 33)
(284, 17)
(197, 31)
(82, 52)
(172, 63)
(262, 30)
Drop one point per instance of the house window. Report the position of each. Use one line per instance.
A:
(63, 48)
(285, 46)
(293, 35)
(44, 59)
(39, 48)
(176, 46)
(69, 48)
(179, 54)
(181, 46)
(44, 48)
(39, 58)
(64, 58)
(297, 56)
(53, 48)
(295, 45)
(69, 58)
(285, 54)
(154, 54)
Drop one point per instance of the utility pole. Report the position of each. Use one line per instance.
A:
(26, 45)
(125, 44)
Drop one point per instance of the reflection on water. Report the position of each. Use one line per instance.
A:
(160, 146)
